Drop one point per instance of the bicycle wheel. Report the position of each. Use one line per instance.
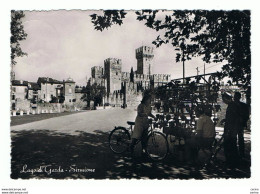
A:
(119, 140)
(157, 146)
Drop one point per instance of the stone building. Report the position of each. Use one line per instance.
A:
(69, 91)
(97, 76)
(113, 74)
(144, 56)
(34, 90)
(130, 83)
(19, 94)
(49, 88)
(25, 95)
(19, 89)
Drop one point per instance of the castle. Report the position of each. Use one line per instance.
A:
(132, 83)
(122, 88)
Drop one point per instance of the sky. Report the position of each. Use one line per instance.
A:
(62, 44)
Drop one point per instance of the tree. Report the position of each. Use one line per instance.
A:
(17, 34)
(54, 99)
(216, 36)
(93, 92)
(109, 18)
(132, 75)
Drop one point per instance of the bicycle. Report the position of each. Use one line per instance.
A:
(156, 146)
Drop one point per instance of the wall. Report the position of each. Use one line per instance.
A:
(20, 92)
(21, 104)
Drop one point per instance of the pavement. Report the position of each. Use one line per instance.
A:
(103, 120)
(76, 145)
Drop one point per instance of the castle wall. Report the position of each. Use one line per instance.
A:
(144, 56)
(113, 74)
(97, 72)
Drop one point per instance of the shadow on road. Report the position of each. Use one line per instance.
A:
(36, 152)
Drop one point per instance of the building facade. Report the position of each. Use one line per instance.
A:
(69, 91)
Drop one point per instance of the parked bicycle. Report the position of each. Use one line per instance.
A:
(156, 144)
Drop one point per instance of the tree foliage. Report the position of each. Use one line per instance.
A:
(109, 18)
(17, 34)
(216, 36)
(94, 93)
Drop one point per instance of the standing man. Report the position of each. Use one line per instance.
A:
(232, 122)
(244, 116)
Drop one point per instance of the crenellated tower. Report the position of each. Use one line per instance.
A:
(113, 74)
(144, 56)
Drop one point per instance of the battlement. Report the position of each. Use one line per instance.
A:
(113, 61)
(97, 68)
(125, 75)
(145, 77)
(97, 72)
(161, 77)
(144, 51)
(141, 77)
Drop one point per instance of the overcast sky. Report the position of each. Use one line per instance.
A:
(64, 43)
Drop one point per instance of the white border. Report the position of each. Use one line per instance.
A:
(122, 186)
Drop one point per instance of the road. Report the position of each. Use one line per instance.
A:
(103, 120)
(74, 143)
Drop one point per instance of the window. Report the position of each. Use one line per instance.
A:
(13, 97)
(69, 100)
(70, 91)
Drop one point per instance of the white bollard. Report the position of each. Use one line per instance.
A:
(21, 113)
(51, 111)
(42, 111)
(28, 112)
(38, 111)
(14, 113)
(33, 112)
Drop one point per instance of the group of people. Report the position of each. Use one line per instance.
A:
(237, 115)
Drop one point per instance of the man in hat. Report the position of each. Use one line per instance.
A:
(232, 122)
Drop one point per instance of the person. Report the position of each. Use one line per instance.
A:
(244, 116)
(232, 122)
(141, 122)
(204, 137)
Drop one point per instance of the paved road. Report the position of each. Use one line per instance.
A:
(104, 120)
(81, 141)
